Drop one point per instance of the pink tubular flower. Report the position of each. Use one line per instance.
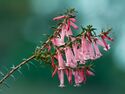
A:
(54, 72)
(61, 63)
(97, 52)
(69, 75)
(103, 44)
(68, 31)
(73, 19)
(106, 45)
(82, 75)
(84, 48)
(70, 60)
(73, 25)
(105, 34)
(89, 73)
(59, 17)
(57, 41)
(75, 50)
(61, 78)
(91, 51)
(76, 79)
(52, 62)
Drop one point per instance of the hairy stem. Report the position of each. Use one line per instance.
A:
(33, 56)
(16, 68)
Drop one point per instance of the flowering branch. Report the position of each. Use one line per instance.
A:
(68, 54)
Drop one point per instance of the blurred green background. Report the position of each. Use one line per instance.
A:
(22, 23)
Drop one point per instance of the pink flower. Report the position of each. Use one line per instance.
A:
(69, 75)
(106, 36)
(75, 73)
(76, 51)
(103, 44)
(57, 41)
(82, 75)
(68, 31)
(91, 51)
(61, 63)
(61, 78)
(59, 17)
(89, 73)
(72, 19)
(84, 48)
(73, 25)
(89, 36)
(97, 52)
(70, 60)
(106, 45)
(54, 72)
(52, 62)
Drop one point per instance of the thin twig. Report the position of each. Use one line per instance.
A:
(16, 68)
(33, 56)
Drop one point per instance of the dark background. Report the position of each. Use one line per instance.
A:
(22, 23)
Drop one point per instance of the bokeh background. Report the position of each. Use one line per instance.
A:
(22, 23)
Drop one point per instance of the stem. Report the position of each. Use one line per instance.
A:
(33, 56)
(16, 68)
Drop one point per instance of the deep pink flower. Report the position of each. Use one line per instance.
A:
(55, 71)
(89, 73)
(69, 75)
(82, 75)
(52, 62)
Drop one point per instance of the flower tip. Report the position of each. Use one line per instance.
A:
(77, 85)
(61, 85)
(108, 47)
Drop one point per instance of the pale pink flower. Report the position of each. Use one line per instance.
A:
(59, 17)
(84, 48)
(77, 78)
(73, 19)
(91, 51)
(97, 52)
(61, 78)
(75, 50)
(68, 31)
(103, 44)
(70, 60)
(73, 25)
(57, 41)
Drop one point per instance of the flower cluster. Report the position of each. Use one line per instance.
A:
(69, 55)
(73, 52)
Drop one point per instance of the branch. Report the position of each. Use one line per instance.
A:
(16, 68)
(34, 55)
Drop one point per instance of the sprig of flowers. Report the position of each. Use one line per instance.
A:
(69, 54)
